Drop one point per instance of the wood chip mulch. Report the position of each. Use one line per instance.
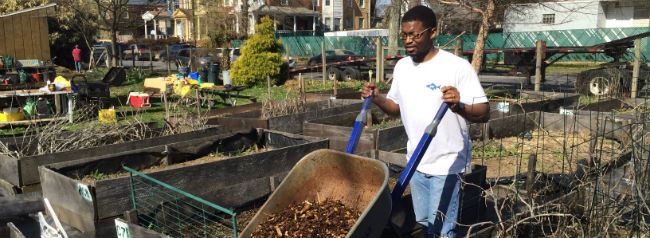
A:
(309, 219)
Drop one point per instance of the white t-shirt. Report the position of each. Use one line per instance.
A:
(416, 89)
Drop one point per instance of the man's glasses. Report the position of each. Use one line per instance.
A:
(404, 36)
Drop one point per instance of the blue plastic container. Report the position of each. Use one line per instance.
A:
(194, 75)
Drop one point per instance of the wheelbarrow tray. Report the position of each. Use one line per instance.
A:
(356, 181)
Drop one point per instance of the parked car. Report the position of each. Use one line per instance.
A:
(202, 56)
(333, 56)
(139, 51)
(173, 52)
(102, 49)
(234, 54)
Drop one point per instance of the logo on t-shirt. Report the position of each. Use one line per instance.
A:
(433, 86)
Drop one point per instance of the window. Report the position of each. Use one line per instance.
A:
(337, 24)
(284, 2)
(317, 2)
(548, 18)
(362, 3)
(350, 3)
(348, 23)
(327, 2)
(640, 13)
(360, 23)
(327, 21)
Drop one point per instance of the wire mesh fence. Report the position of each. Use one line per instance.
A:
(579, 171)
(170, 211)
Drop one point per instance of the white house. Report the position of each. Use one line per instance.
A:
(333, 14)
(577, 14)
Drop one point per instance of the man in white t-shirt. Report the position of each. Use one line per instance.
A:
(421, 83)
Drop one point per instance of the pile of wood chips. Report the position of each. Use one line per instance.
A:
(309, 219)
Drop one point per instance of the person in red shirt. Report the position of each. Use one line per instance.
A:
(76, 55)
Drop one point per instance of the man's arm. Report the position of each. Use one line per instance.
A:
(386, 105)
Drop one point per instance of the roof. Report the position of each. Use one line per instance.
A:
(289, 11)
(182, 13)
(31, 9)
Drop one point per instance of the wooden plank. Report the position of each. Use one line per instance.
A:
(27, 31)
(340, 135)
(21, 205)
(44, 38)
(24, 171)
(19, 37)
(66, 201)
(9, 169)
(136, 231)
(3, 38)
(391, 138)
(36, 34)
(8, 29)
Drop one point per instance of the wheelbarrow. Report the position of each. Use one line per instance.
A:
(358, 182)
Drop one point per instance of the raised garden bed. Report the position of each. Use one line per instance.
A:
(22, 175)
(288, 123)
(382, 131)
(531, 101)
(229, 182)
(561, 143)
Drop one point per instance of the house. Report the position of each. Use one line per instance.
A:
(346, 14)
(290, 15)
(25, 34)
(583, 14)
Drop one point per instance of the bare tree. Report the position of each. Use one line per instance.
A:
(110, 13)
(487, 10)
(244, 18)
(394, 26)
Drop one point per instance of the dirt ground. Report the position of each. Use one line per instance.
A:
(557, 152)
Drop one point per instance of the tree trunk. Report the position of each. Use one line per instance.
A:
(244, 18)
(413, 3)
(112, 56)
(479, 47)
(393, 27)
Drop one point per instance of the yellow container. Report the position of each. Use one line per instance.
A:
(9, 116)
(107, 115)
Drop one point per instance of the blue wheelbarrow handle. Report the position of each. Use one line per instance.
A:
(413, 162)
(359, 123)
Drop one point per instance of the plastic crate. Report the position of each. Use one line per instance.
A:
(107, 115)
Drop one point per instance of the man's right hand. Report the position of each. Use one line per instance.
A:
(369, 89)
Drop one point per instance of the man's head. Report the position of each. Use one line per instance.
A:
(418, 31)
(76, 46)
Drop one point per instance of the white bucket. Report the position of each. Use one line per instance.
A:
(226, 77)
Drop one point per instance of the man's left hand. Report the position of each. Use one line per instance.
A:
(452, 96)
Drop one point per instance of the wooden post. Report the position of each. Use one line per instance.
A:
(380, 60)
(169, 67)
(530, 176)
(164, 96)
(198, 103)
(151, 61)
(459, 48)
(370, 76)
(268, 86)
(287, 55)
(303, 95)
(323, 61)
(334, 85)
(132, 57)
(637, 66)
(539, 58)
